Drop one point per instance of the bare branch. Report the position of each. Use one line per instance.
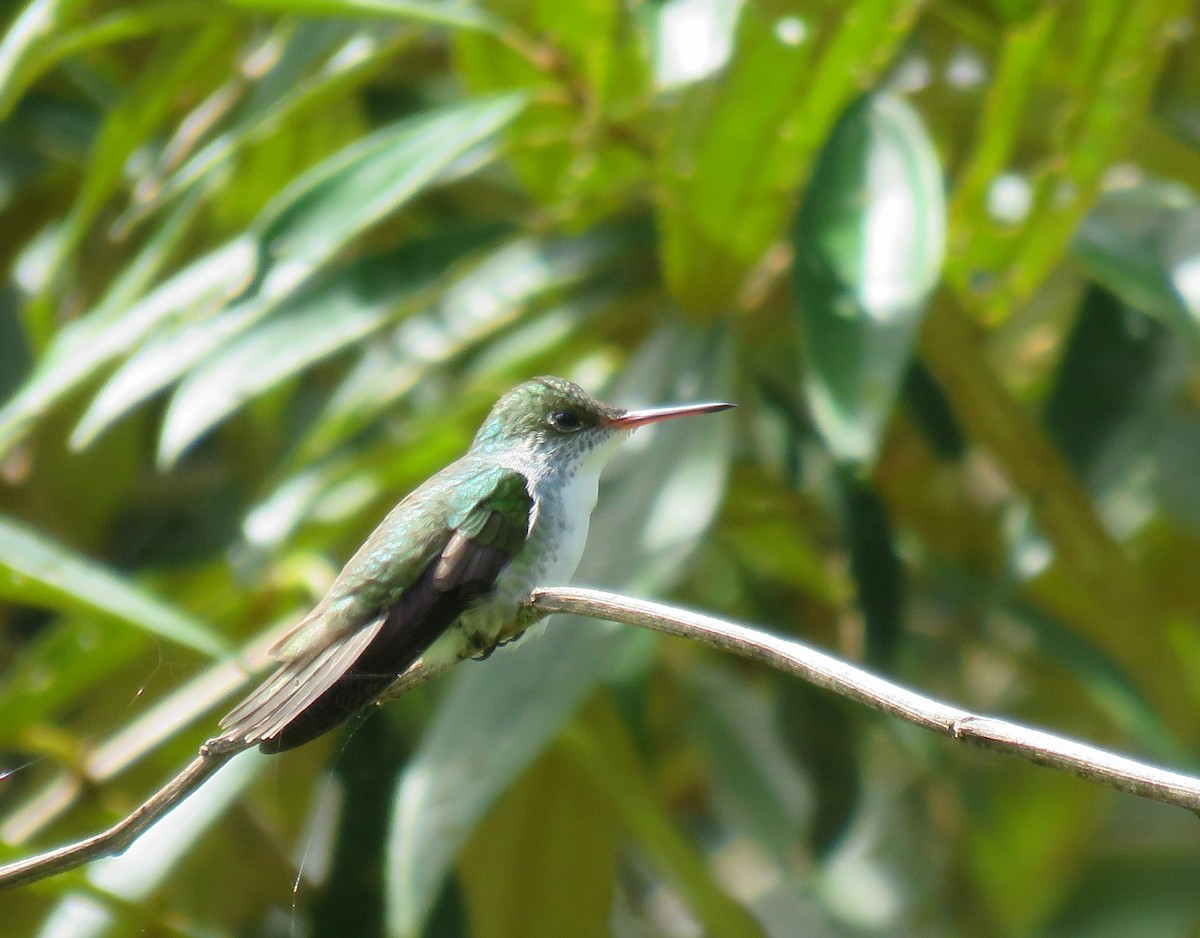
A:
(118, 837)
(792, 657)
(785, 655)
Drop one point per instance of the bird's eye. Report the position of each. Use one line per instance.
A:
(566, 421)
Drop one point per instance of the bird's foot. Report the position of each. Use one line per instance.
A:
(485, 651)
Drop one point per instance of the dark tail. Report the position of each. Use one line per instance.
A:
(331, 709)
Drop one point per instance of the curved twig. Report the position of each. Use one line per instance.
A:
(787, 655)
(816, 667)
(118, 837)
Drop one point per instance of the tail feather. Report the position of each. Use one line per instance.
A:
(292, 689)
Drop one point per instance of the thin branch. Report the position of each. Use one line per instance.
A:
(118, 837)
(114, 755)
(816, 667)
(785, 655)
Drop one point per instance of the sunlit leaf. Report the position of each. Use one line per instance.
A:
(441, 12)
(328, 206)
(692, 39)
(299, 233)
(36, 571)
(60, 664)
(869, 242)
(317, 324)
(1143, 244)
(310, 72)
(737, 151)
(18, 49)
(585, 174)
(475, 307)
(194, 300)
(80, 350)
(126, 127)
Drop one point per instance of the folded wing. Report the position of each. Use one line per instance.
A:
(328, 681)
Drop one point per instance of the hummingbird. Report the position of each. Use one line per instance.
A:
(446, 574)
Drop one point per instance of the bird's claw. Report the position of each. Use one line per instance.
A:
(483, 653)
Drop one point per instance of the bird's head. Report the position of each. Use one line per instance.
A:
(556, 418)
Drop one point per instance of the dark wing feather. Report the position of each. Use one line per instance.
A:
(319, 689)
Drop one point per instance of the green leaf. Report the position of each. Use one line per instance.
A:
(19, 48)
(39, 572)
(300, 233)
(121, 319)
(512, 870)
(869, 242)
(1143, 244)
(175, 70)
(51, 672)
(1113, 364)
(497, 718)
(184, 317)
(875, 566)
(505, 285)
(692, 39)
(601, 747)
(444, 13)
(324, 324)
(318, 70)
(315, 325)
(119, 25)
(328, 206)
(1067, 95)
(756, 782)
(739, 148)
(576, 148)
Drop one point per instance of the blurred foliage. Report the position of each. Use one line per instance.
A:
(268, 262)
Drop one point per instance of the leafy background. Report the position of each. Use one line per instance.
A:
(267, 263)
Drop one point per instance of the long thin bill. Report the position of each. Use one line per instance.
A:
(637, 418)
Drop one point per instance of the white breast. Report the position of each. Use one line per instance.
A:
(567, 524)
(558, 532)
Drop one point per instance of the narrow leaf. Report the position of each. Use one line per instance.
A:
(138, 873)
(19, 47)
(345, 194)
(315, 325)
(121, 319)
(444, 13)
(739, 149)
(301, 232)
(37, 571)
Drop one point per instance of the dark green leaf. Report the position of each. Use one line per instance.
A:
(869, 242)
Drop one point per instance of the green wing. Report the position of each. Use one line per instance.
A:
(488, 535)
